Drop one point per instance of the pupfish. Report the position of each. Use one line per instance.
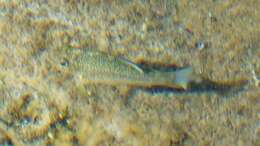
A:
(98, 67)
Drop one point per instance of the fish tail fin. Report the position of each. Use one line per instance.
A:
(183, 77)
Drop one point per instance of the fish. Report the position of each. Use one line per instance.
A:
(94, 66)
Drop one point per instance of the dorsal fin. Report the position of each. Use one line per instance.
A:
(131, 64)
(93, 52)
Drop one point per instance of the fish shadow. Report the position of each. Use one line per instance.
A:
(205, 85)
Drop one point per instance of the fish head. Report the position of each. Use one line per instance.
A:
(67, 59)
(64, 62)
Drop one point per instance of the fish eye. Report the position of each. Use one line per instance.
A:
(64, 62)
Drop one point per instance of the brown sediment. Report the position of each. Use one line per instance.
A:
(42, 105)
(9, 135)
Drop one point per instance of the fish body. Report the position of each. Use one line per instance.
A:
(98, 67)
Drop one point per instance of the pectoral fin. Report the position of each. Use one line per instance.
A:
(131, 64)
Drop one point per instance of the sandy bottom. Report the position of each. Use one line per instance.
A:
(41, 104)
